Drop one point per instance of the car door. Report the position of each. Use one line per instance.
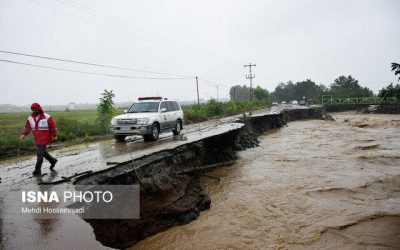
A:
(178, 112)
(171, 117)
(164, 116)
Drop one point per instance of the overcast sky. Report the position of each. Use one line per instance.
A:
(287, 40)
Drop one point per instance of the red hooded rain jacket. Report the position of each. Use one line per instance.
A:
(43, 127)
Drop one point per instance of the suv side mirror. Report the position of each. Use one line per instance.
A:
(125, 111)
(163, 110)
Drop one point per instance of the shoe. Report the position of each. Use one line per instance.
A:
(53, 164)
(37, 172)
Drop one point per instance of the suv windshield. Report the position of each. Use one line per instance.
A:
(141, 107)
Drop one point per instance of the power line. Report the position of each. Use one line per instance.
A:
(129, 26)
(208, 84)
(201, 54)
(215, 84)
(88, 63)
(94, 73)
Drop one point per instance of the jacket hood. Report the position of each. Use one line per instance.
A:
(37, 106)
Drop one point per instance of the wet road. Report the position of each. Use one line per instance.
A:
(311, 185)
(95, 156)
(71, 231)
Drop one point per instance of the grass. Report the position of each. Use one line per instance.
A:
(73, 126)
(213, 109)
(78, 126)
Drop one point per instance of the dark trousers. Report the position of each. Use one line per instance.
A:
(41, 153)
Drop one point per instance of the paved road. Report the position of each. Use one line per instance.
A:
(16, 172)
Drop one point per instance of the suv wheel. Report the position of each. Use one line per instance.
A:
(178, 127)
(155, 132)
(120, 138)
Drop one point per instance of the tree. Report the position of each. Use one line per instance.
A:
(242, 93)
(283, 92)
(390, 91)
(396, 69)
(309, 90)
(261, 94)
(296, 91)
(239, 93)
(348, 87)
(105, 110)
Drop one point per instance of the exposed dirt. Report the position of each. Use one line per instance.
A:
(167, 198)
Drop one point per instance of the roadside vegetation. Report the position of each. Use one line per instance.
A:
(73, 127)
(392, 90)
(213, 109)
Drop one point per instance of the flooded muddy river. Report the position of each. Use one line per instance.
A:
(310, 185)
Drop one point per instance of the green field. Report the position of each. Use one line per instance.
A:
(73, 126)
(17, 119)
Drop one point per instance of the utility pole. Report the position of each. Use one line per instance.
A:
(250, 76)
(217, 93)
(197, 85)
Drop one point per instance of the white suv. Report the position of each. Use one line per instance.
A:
(148, 117)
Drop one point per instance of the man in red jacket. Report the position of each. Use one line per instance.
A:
(44, 132)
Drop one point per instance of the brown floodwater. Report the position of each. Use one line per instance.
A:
(310, 185)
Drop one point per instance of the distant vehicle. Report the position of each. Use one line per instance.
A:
(302, 103)
(283, 102)
(274, 104)
(294, 102)
(148, 117)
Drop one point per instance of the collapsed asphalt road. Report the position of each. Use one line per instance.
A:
(170, 190)
(199, 138)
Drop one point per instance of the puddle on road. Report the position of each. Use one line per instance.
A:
(313, 184)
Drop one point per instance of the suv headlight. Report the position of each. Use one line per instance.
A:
(114, 121)
(142, 120)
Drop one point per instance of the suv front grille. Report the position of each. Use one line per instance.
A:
(127, 121)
